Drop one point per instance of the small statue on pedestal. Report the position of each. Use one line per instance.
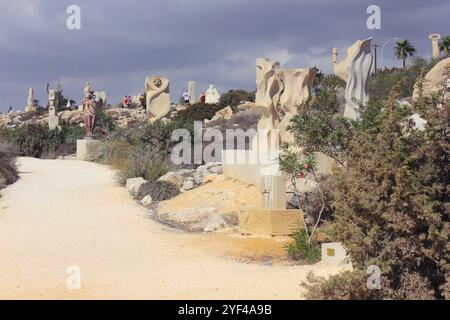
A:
(89, 112)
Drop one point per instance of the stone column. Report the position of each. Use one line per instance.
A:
(191, 89)
(435, 45)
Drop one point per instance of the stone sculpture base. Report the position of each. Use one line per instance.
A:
(265, 222)
(53, 122)
(82, 149)
(334, 255)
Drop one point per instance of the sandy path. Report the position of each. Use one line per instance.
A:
(64, 213)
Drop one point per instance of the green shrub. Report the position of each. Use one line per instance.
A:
(346, 286)
(299, 249)
(159, 191)
(8, 169)
(197, 112)
(234, 98)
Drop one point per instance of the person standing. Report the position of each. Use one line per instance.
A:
(186, 97)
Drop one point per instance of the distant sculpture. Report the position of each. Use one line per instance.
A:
(355, 70)
(191, 90)
(436, 52)
(53, 102)
(434, 81)
(212, 96)
(89, 112)
(158, 97)
(87, 89)
(31, 104)
(101, 98)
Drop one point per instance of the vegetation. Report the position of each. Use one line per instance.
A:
(142, 152)
(444, 45)
(234, 98)
(388, 199)
(8, 169)
(38, 141)
(403, 50)
(301, 250)
(159, 191)
(197, 112)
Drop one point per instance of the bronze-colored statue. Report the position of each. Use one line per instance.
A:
(89, 112)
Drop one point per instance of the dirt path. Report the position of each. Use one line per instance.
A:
(65, 213)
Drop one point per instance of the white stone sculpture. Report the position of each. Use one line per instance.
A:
(279, 93)
(355, 70)
(31, 105)
(53, 102)
(191, 90)
(296, 87)
(436, 52)
(101, 98)
(158, 97)
(434, 80)
(212, 95)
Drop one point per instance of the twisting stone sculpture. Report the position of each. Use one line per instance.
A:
(158, 97)
(279, 93)
(355, 70)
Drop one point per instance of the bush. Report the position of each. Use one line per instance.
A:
(38, 141)
(159, 191)
(345, 286)
(197, 112)
(299, 249)
(8, 169)
(234, 98)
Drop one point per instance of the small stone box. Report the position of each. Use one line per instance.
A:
(334, 254)
(82, 149)
(266, 222)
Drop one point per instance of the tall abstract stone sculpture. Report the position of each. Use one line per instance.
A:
(31, 105)
(355, 70)
(436, 52)
(191, 90)
(158, 97)
(296, 87)
(279, 93)
(53, 103)
(212, 95)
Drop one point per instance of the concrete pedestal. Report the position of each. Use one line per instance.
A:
(266, 222)
(82, 149)
(53, 122)
(334, 255)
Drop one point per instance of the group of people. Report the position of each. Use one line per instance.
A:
(186, 96)
(126, 102)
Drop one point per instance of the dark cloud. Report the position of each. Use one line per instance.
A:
(214, 41)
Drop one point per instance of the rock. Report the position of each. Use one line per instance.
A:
(213, 178)
(419, 123)
(187, 185)
(214, 223)
(134, 185)
(434, 80)
(147, 201)
(173, 177)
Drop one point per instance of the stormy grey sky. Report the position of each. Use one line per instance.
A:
(209, 41)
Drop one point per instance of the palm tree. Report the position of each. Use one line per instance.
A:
(444, 45)
(403, 50)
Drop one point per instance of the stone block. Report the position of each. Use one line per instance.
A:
(334, 255)
(264, 222)
(53, 122)
(82, 148)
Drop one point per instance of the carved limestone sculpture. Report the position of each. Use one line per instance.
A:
(212, 96)
(279, 93)
(31, 105)
(158, 97)
(434, 80)
(355, 70)
(296, 87)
